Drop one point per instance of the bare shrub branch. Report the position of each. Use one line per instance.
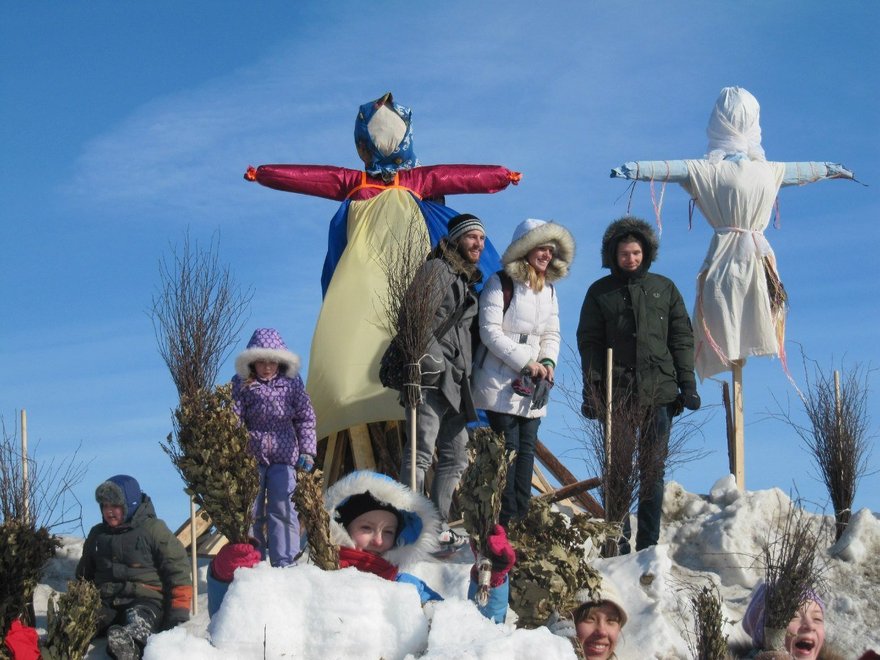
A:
(409, 306)
(31, 507)
(47, 500)
(197, 315)
(631, 462)
(836, 433)
(791, 564)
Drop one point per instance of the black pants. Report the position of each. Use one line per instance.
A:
(520, 435)
(653, 447)
(148, 613)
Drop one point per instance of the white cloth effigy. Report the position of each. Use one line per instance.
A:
(732, 314)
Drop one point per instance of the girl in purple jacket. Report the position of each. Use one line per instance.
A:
(271, 400)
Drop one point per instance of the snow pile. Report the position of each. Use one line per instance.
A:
(303, 612)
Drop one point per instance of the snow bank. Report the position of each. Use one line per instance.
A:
(303, 612)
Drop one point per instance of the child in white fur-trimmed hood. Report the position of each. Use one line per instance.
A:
(383, 527)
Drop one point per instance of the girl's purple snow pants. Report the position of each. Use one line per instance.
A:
(276, 526)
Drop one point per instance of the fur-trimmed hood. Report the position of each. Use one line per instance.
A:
(530, 234)
(623, 227)
(421, 526)
(267, 344)
(120, 490)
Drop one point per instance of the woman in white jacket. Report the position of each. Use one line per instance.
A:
(519, 330)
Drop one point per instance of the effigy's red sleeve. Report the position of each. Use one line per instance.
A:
(433, 180)
(317, 180)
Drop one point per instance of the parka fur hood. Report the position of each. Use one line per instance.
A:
(266, 344)
(533, 233)
(623, 227)
(421, 525)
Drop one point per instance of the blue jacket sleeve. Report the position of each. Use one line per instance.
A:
(425, 592)
(496, 607)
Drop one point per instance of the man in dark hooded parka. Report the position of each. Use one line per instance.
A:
(641, 316)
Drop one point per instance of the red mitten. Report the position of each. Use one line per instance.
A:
(232, 556)
(22, 642)
(500, 553)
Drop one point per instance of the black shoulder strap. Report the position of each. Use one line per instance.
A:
(454, 317)
(506, 288)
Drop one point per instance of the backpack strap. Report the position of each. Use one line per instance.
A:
(506, 289)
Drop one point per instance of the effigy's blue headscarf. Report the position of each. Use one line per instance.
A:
(383, 164)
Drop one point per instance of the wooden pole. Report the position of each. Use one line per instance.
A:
(412, 448)
(609, 362)
(739, 469)
(728, 426)
(192, 552)
(25, 483)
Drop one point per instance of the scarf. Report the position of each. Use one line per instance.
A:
(367, 562)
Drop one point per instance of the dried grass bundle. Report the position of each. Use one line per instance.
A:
(707, 640)
(209, 449)
(309, 501)
(72, 621)
(551, 565)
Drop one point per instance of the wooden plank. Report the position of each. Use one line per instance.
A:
(379, 442)
(203, 524)
(565, 477)
(210, 544)
(330, 459)
(572, 489)
(540, 482)
(362, 448)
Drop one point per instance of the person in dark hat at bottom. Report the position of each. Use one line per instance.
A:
(139, 567)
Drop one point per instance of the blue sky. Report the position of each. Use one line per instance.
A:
(125, 125)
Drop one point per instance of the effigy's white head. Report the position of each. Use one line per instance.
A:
(735, 125)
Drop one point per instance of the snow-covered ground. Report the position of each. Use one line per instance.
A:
(303, 612)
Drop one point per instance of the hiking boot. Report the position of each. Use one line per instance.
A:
(121, 645)
(450, 541)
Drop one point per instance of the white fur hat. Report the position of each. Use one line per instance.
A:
(532, 233)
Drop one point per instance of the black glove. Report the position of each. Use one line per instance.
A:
(541, 394)
(688, 398)
(593, 406)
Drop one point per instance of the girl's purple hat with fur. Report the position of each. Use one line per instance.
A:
(753, 620)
